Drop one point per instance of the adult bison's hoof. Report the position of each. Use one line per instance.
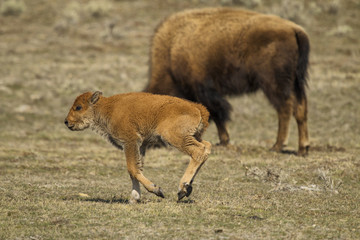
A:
(277, 148)
(223, 143)
(303, 151)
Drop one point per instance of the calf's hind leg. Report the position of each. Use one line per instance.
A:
(184, 134)
(199, 152)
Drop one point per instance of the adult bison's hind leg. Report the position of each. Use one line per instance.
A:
(300, 113)
(284, 111)
(222, 132)
(299, 109)
(218, 107)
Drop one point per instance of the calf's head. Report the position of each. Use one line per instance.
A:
(81, 114)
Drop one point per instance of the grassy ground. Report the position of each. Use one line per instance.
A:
(57, 184)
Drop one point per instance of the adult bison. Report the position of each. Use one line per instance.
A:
(203, 55)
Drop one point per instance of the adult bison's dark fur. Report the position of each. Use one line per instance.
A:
(204, 55)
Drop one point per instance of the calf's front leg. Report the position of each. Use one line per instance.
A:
(135, 193)
(133, 160)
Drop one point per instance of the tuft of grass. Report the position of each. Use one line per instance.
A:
(98, 9)
(244, 3)
(12, 7)
(71, 13)
(340, 31)
(331, 7)
(290, 9)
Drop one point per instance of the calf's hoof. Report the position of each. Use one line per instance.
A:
(134, 201)
(185, 191)
(135, 196)
(159, 193)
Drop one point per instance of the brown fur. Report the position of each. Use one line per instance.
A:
(204, 55)
(131, 121)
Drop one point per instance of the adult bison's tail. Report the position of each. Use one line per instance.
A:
(302, 66)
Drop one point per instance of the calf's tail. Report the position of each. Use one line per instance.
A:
(204, 121)
(204, 116)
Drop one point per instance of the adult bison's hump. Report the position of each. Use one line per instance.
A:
(225, 46)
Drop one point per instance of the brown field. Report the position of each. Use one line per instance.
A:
(58, 184)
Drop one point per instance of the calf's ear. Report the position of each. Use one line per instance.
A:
(95, 97)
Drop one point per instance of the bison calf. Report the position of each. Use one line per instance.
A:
(131, 121)
(204, 55)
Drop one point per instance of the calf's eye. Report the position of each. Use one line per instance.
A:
(78, 108)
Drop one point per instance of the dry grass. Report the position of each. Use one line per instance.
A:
(57, 184)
